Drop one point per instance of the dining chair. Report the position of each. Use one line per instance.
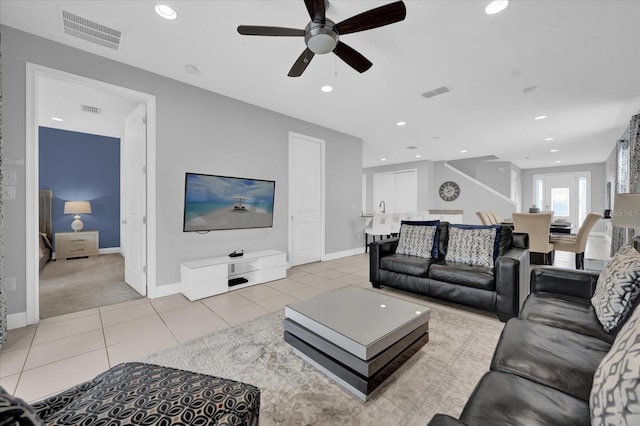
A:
(484, 218)
(495, 217)
(576, 243)
(380, 225)
(537, 225)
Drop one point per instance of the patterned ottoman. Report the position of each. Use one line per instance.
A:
(145, 394)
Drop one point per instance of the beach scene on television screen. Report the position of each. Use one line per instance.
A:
(218, 202)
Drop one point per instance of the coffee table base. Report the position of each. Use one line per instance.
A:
(361, 385)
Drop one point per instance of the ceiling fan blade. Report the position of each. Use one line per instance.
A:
(374, 18)
(316, 9)
(301, 63)
(269, 31)
(354, 59)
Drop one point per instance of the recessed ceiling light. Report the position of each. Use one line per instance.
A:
(383, 159)
(558, 161)
(166, 12)
(383, 306)
(540, 117)
(401, 123)
(418, 156)
(463, 151)
(496, 6)
(549, 139)
(56, 119)
(554, 150)
(191, 69)
(326, 89)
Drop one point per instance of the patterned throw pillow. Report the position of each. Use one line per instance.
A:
(473, 245)
(14, 411)
(617, 288)
(615, 394)
(418, 241)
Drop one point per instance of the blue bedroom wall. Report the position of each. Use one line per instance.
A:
(82, 167)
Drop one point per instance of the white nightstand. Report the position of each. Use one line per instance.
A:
(76, 244)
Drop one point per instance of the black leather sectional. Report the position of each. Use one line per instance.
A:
(543, 366)
(500, 289)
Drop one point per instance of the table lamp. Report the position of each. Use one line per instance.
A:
(77, 207)
(626, 211)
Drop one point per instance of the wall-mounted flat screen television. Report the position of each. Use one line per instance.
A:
(221, 202)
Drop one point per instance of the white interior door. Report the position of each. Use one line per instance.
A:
(384, 192)
(561, 196)
(306, 199)
(134, 200)
(406, 192)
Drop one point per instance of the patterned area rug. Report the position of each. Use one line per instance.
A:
(437, 379)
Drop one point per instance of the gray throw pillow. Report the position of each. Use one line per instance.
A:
(472, 245)
(615, 394)
(416, 240)
(617, 288)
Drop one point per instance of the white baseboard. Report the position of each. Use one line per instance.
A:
(340, 254)
(18, 320)
(110, 250)
(166, 290)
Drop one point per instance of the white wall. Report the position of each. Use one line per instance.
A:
(197, 131)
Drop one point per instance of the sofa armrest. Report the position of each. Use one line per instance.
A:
(378, 250)
(520, 240)
(444, 420)
(512, 273)
(570, 282)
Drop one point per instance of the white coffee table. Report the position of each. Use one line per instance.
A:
(358, 337)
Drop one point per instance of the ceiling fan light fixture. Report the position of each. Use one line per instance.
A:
(496, 6)
(321, 38)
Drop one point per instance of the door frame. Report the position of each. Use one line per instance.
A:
(576, 176)
(322, 191)
(33, 73)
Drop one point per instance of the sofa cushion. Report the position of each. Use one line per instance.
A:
(419, 239)
(480, 277)
(410, 265)
(563, 311)
(14, 411)
(617, 288)
(506, 399)
(615, 396)
(554, 357)
(473, 245)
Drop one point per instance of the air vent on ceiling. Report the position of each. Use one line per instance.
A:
(90, 31)
(436, 92)
(91, 109)
(412, 147)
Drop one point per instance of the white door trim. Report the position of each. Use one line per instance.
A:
(322, 191)
(33, 73)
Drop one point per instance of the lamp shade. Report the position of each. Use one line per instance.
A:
(626, 210)
(77, 207)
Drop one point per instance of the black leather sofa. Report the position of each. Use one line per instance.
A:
(500, 289)
(543, 367)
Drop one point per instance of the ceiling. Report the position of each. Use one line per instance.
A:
(582, 56)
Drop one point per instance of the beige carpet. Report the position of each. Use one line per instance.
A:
(438, 378)
(79, 284)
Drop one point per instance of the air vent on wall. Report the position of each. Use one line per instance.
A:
(412, 147)
(90, 31)
(436, 92)
(91, 109)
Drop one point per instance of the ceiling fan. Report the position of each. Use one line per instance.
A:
(321, 35)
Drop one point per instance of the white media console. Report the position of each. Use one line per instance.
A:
(208, 277)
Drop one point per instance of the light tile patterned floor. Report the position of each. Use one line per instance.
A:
(63, 351)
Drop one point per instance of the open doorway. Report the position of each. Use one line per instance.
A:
(120, 105)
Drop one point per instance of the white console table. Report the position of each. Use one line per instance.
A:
(208, 277)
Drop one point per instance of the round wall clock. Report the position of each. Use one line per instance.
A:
(449, 191)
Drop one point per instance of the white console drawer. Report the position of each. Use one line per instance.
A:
(196, 275)
(273, 261)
